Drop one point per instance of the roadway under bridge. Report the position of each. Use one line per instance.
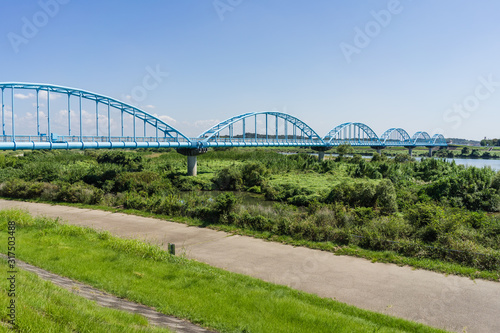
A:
(44, 116)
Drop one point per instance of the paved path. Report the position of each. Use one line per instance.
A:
(450, 302)
(111, 301)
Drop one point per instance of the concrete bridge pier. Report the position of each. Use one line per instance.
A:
(430, 151)
(321, 155)
(192, 165)
(192, 160)
(321, 152)
(410, 150)
(378, 148)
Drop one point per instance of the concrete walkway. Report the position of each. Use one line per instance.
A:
(449, 302)
(110, 301)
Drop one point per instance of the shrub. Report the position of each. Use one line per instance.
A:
(147, 181)
(386, 197)
(18, 188)
(79, 193)
(228, 179)
(253, 174)
(225, 203)
(129, 160)
(354, 194)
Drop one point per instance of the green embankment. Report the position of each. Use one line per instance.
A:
(205, 295)
(42, 307)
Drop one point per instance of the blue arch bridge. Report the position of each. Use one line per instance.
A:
(44, 116)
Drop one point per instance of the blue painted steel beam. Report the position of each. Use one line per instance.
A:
(92, 145)
(137, 113)
(213, 134)
(355, 134)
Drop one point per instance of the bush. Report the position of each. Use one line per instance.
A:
(129, 160)
(79, 193)
(403, 158)
(386, 197)
(225, 203)
(147, 181)
(284, 192)
(253, 174)
(18, 188)
(228, 179)
(354, 194)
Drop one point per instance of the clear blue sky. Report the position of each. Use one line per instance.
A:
(424, 67)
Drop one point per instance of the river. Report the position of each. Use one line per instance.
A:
(493, 164)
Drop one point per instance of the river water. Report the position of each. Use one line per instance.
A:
(480, 163)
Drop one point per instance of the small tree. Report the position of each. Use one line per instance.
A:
(344, 149)
(386, 197)
(475, 153)
(465, 151)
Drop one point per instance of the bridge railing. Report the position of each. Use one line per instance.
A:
(24, 138)
(76, 138)
(63, 138)
(266, 140)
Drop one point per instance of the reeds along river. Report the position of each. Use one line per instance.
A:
(494, 164)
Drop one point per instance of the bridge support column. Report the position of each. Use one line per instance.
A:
(192, 160)
(192, 166)
(430, 151)
(321, 156)
(410, 152)
(321, 152)
(378, 149)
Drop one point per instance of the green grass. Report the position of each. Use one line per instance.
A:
(43, 307)
(319, 183)
(221, 300)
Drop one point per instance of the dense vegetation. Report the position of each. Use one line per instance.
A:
(468, 152)
(428, 209)
(492, 142)
(140, 272)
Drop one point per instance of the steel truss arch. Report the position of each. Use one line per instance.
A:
(438, 140)
(421, 138)
(155, 122)
(355, 134)
(395, 136)
(307, 134)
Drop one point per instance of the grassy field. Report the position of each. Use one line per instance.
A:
(44, 307)
(205, 295)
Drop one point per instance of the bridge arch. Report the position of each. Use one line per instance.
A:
(438, 140)
(77, 129)
(269, 128)
(354, 134)
(395, 136)
(421, 138)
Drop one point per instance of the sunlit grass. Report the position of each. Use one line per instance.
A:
(43, 307)
(206, 295)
